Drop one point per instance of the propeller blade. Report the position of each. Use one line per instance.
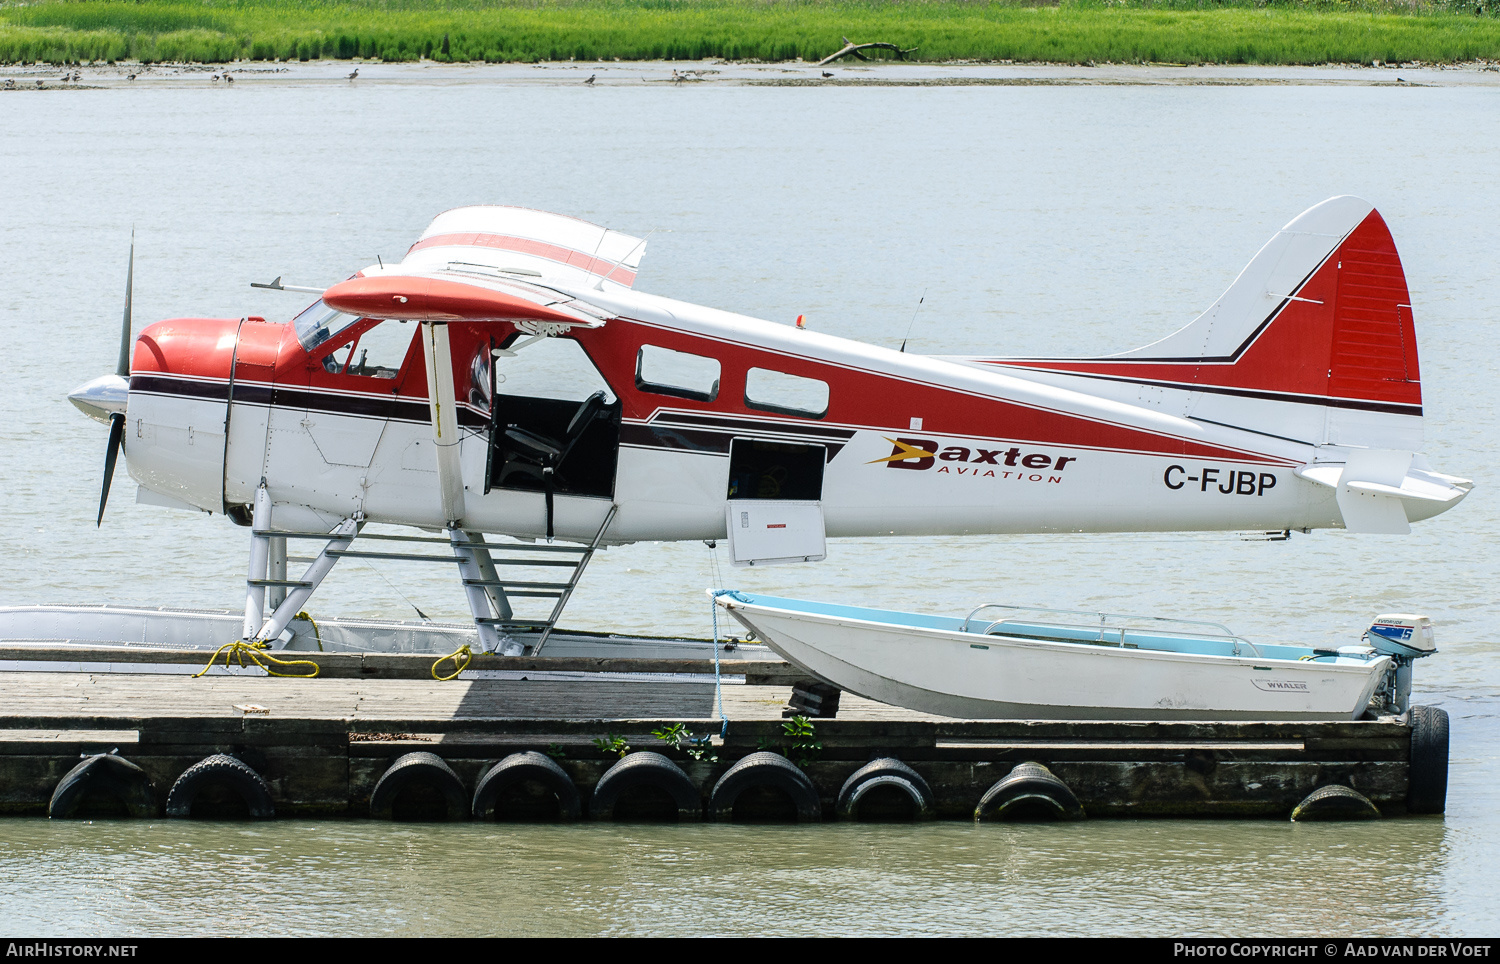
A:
(122, 366)
(116, 436)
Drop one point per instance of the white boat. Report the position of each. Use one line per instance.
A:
(1008, 662)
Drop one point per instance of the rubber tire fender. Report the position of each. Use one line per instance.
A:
(646, 768)
(419, 767)
(109, 773)
(221, 768)
(529, 765)
(885, 771)
(766, 769)
(1427, 772)
(1030, 786)
(1335, 802)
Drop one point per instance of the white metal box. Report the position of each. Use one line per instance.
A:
(764, 532)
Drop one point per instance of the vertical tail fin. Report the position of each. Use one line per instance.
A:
(1313, 341)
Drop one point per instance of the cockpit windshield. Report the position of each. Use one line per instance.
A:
(317, 323)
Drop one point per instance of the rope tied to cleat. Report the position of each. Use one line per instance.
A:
(461, 658)
(317, 633)
(258, 654)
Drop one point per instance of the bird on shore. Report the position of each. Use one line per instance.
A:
(131, 77)
(228, 79)
(354, 73)
(214, 78)
(590, 81)
(676, 77)
(827, 73)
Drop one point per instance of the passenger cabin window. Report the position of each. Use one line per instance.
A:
(662, 371)
(772, 391)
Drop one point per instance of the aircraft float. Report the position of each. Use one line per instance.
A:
(506, 378)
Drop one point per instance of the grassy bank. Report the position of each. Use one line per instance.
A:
(1076, 31)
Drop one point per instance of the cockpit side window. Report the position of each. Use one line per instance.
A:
(380, 351)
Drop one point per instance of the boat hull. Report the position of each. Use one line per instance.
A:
(970, 676)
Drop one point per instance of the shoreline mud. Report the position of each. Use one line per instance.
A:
(242, 74)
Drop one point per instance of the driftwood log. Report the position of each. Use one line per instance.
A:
(850, 47)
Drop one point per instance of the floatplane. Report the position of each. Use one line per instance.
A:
(506, 379)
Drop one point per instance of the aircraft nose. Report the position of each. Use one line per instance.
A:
(102, 397)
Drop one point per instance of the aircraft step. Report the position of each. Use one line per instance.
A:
(432, 540)
(565, 563)
(393, 556)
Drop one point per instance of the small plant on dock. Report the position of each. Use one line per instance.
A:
(799, 742)
(610, 743)
(677, 736)
(803, 745)
(556, 751)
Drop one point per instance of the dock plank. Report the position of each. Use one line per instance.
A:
(65, 695)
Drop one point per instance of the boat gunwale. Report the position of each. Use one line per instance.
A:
(1368, 668)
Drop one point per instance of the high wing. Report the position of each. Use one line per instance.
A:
(492, 264)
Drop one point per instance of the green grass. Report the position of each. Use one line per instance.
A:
(1075, 31)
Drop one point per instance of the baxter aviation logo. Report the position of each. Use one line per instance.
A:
(1015, 463)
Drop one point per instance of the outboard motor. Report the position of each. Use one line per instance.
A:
(1403, 637)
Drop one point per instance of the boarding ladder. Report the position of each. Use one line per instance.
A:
(480, 565)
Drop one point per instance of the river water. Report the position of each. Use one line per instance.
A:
(1035, 220)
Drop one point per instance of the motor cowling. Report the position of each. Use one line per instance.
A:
(1401, 634)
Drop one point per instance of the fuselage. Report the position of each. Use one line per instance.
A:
(1293, 402)
(903, 444)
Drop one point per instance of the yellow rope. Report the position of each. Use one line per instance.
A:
(318, 633)
(257, 652)
(464, 652)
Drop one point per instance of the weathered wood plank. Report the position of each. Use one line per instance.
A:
(412, 666)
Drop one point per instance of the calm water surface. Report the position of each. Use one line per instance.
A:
(1036, 220)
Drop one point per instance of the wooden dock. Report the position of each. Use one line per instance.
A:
(322, 747)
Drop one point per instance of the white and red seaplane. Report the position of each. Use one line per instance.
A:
(507, 379)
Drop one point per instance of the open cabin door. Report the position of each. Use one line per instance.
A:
(554, 422)
(774, 510)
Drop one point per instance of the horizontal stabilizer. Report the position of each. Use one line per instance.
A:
(1383, 490)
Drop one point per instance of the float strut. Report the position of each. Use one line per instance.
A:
(260, 548)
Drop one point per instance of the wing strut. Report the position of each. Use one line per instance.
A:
(444, 409)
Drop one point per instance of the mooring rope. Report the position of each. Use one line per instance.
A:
(461, 657)
(258, 655)
(713, 603)
(317, 633)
